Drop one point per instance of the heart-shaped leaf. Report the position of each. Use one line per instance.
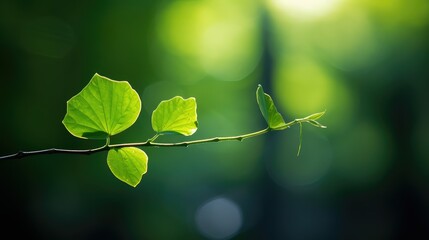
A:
(128, 164)
(103, 108)
(273, 118)
(176, 115)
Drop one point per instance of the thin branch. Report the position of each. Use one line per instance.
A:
(150, 143)
(187, 143)
(22, 154)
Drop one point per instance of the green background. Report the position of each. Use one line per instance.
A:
(364, 62)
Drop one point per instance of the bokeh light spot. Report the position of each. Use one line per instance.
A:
(212, 36)
(302, 86)
(305, 9)
(352, 44)
(219, 218)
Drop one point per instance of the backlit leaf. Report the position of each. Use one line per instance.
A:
(273, 118)
(316, 116)
(103, 108)
(128, 164)
(176, 115)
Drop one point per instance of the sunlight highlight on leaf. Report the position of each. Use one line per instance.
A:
(128, 164)
(103, 108)
(176, 115)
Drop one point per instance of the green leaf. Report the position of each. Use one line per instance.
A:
(128, 164)
(103, 108)
(176, 115)
(273, 118)
(316, 116)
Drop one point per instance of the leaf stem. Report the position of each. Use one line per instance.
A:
(153, 138)
(300, 139)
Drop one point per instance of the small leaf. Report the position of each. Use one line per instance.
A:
(128, 164)
(316, 124)
(103, 108)
(273, 118)
(176, 115)
(316, 116)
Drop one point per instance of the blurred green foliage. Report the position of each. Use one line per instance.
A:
(365, 62)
